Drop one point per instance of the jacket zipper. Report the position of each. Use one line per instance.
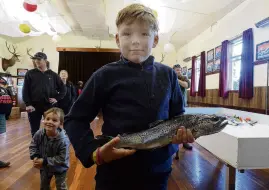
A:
(148, 90)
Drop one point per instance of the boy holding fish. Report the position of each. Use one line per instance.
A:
(132, 93)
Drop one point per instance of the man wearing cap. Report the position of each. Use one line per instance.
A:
(42, 89)
(184, 84)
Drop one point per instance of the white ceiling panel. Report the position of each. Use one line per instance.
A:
(180, 20)
(187, 19)
(96, 33)
(198, 6)
(85, 2)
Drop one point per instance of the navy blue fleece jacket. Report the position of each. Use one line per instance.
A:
(131, 97)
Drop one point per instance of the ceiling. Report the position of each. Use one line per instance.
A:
(180, 20)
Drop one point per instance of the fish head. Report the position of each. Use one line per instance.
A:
(208, 124)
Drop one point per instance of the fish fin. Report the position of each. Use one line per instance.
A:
(103, 139)
(155, 123)
(177, 116)
(123, 134)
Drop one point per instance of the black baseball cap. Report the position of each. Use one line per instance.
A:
(40, 55)
(176, 66)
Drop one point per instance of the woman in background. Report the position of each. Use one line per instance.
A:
(70, 96)
(79, 87)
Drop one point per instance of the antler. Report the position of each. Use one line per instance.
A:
(14, 50)
(163, 56)
(42, 50)
(28, 52)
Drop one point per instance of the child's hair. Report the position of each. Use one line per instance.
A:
(56, 111)
(138, 12)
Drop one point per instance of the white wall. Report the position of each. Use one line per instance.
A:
(233, 24)
(37, 43)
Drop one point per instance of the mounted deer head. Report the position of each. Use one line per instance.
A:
(6, 63)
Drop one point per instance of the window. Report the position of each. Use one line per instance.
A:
(236, 48)
(197, 72)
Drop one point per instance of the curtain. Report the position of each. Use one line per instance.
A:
(81, 65)
(193, 72)
(246, 86)
(224, 70)
(202, 79)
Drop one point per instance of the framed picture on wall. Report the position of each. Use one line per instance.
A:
(209, 67)
(210, 55)
(189, 73)
(21, 72)
(184, 71)
(217, 52)
(216, 66)
(262, 51)
(20, 81)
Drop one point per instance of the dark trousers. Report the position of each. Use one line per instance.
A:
(155, 181)
(35, 117)
(45, 178)
(65, 109)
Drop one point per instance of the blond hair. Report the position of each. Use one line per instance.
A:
(138, 12)
(57, 111)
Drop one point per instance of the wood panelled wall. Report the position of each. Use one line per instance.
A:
(212, 99)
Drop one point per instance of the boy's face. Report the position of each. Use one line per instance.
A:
(136, 41)
(51, 123)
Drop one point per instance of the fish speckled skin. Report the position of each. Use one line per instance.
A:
(162, 132)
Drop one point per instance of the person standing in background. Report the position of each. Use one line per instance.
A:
(42, 89)
(5, 104)
(70, 96)
(5, 110)
(79, 88)
(184, 84)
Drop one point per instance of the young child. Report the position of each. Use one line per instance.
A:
(49, 150)
(132, 93)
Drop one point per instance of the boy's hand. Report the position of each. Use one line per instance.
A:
(108, 153)
(183, 136)
(38, 162)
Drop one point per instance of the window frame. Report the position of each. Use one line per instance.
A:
(234, 58)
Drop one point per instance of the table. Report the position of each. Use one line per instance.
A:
(240, 147)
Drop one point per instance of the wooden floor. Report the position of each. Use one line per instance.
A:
(196, 169)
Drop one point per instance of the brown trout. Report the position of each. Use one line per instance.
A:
(160, 133)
